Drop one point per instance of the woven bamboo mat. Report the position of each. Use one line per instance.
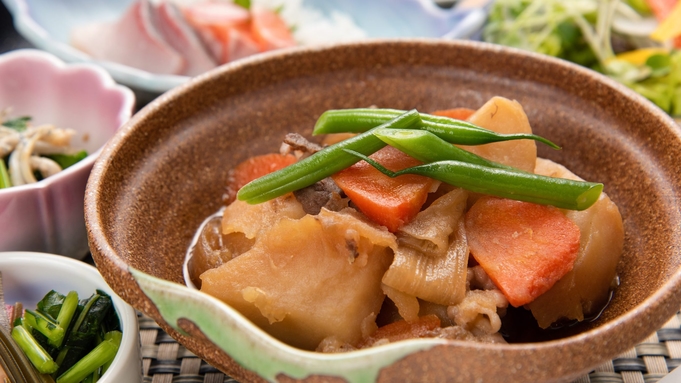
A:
(166, 361)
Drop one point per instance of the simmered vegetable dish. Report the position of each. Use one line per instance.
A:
(406, 225)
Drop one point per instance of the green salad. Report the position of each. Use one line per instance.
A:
(635, 42)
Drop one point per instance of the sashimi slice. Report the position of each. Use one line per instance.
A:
(131, 40)
(225, 28)
(216, 14)
(269, 30)
(239, 44)
(179, 34)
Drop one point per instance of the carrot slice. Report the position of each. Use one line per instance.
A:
(456, 113)
(253, 168)
(269, 30)
(390, 202)
(525, 248)
(402, 329)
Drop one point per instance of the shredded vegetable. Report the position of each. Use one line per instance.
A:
(620, 39)
(30, 153)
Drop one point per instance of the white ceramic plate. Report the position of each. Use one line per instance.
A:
(47, 24)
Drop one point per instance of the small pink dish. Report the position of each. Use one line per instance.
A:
(47, 216)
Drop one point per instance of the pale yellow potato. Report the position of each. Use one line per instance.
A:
(584, 290)
(310, 278)
(242, 217)
(502, 115)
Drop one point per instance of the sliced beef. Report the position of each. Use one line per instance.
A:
(324, 193)
(299, 143)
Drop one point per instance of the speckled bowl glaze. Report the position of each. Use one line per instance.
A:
(164, 172)
(47, 216)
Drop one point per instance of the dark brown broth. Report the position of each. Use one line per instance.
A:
(519, 326)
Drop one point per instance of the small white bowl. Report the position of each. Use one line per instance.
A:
(47, 216)
(27, 277)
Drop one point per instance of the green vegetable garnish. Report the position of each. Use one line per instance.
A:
(44, 325)
(450, 130)
(92, 335)
(427, 147)
(640, 6)
(506, 183)
(42, 361)
(582, 32)
(19, 124)
(571, 30)
(658, 80)
(5, 181)
(85, 330)
(427, 138)
(321, 164)
(66, 160)
(68, 309)
(243, 3)
(117, 338)
(14, 361)
(102, 354)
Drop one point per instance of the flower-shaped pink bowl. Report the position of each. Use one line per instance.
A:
(48, 216)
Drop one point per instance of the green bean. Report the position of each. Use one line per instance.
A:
(450, 130)
(427, 147)
(322, 164)
(506, 183)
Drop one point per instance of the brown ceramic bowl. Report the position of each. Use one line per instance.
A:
(164, 173)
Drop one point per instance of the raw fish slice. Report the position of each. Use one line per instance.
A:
(269, 30)
(131, 40)
(216, 15)
(225, 28)
(239, 44)
(212, 44)
(177, 33)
